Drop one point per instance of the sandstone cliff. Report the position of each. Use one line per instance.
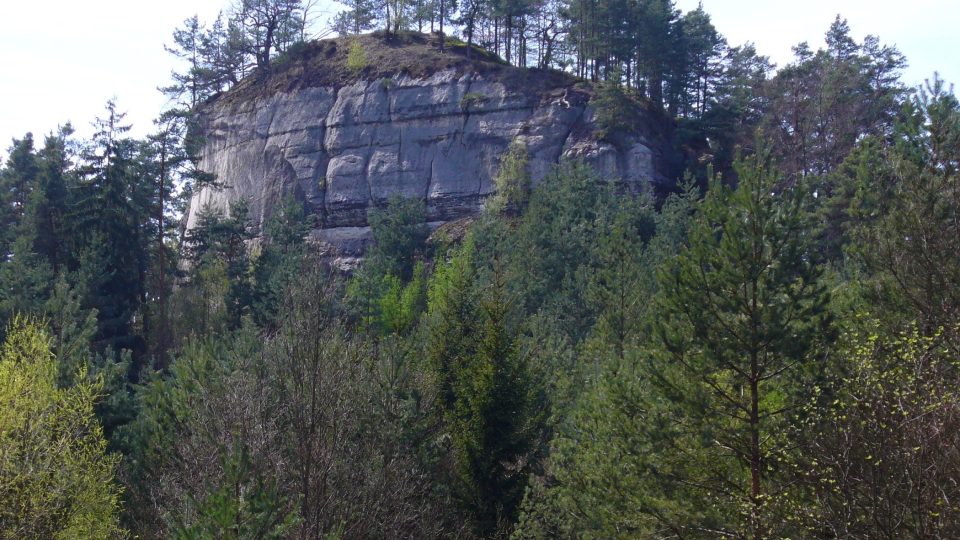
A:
(431, 126)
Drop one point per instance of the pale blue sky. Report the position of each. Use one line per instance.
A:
(62, 59)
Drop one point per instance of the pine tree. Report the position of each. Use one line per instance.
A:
(741, 309)
(917, 243)
(356, 19)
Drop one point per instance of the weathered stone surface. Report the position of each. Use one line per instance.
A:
(341, 150)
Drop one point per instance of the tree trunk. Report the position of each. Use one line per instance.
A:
(442, 7)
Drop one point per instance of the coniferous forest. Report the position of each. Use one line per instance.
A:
(769, 350)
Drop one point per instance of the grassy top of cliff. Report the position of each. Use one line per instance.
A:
(340, 61)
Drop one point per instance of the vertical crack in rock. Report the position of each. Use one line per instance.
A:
(426, 193)
(465, 110)
(399, 150)
(573, 125)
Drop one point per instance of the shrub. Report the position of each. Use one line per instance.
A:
(357, 57)
(472, 99)
(513, 181)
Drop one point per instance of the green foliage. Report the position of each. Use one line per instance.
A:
(401, 305)
(917, 242)
(494, 421)
(56, 477)
(858, 94)
(879, 449)
(513, 181)
(399, 234)
(452, 319)
(244, 507)
(188, 470)
(604, 465)
(388, 292)
(110, 215)
(554, 245)
(357, 57)
(616, 113)
(217, 251)
(741, 310)
(280, 261)
(545, 356)
(599, 478)
(472, 100)
(485, 393)
(72, 329)
(26, 281)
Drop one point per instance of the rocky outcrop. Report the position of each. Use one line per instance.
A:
(343, 148)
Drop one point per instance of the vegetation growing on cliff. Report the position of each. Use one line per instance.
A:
(770, 352)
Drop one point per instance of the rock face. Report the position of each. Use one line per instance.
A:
(343, 149)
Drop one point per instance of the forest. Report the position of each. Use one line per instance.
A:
(769, 350)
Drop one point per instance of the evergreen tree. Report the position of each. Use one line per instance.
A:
(109, 214)
(217, 251)
(281, 259)
(917, 243)
(452, 319)
(49, 207)
(494, 420)
(17, 183)
(741, 309)
(359, 17)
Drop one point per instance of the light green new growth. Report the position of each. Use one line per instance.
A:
(56, 477)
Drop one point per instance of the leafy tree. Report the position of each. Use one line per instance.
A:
(693, 81)
(352, 420)
(553, 245)
(878, 454)
(616, 112)
(56, 477)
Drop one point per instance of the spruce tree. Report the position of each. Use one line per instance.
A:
(110, 214)
(494, 420)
